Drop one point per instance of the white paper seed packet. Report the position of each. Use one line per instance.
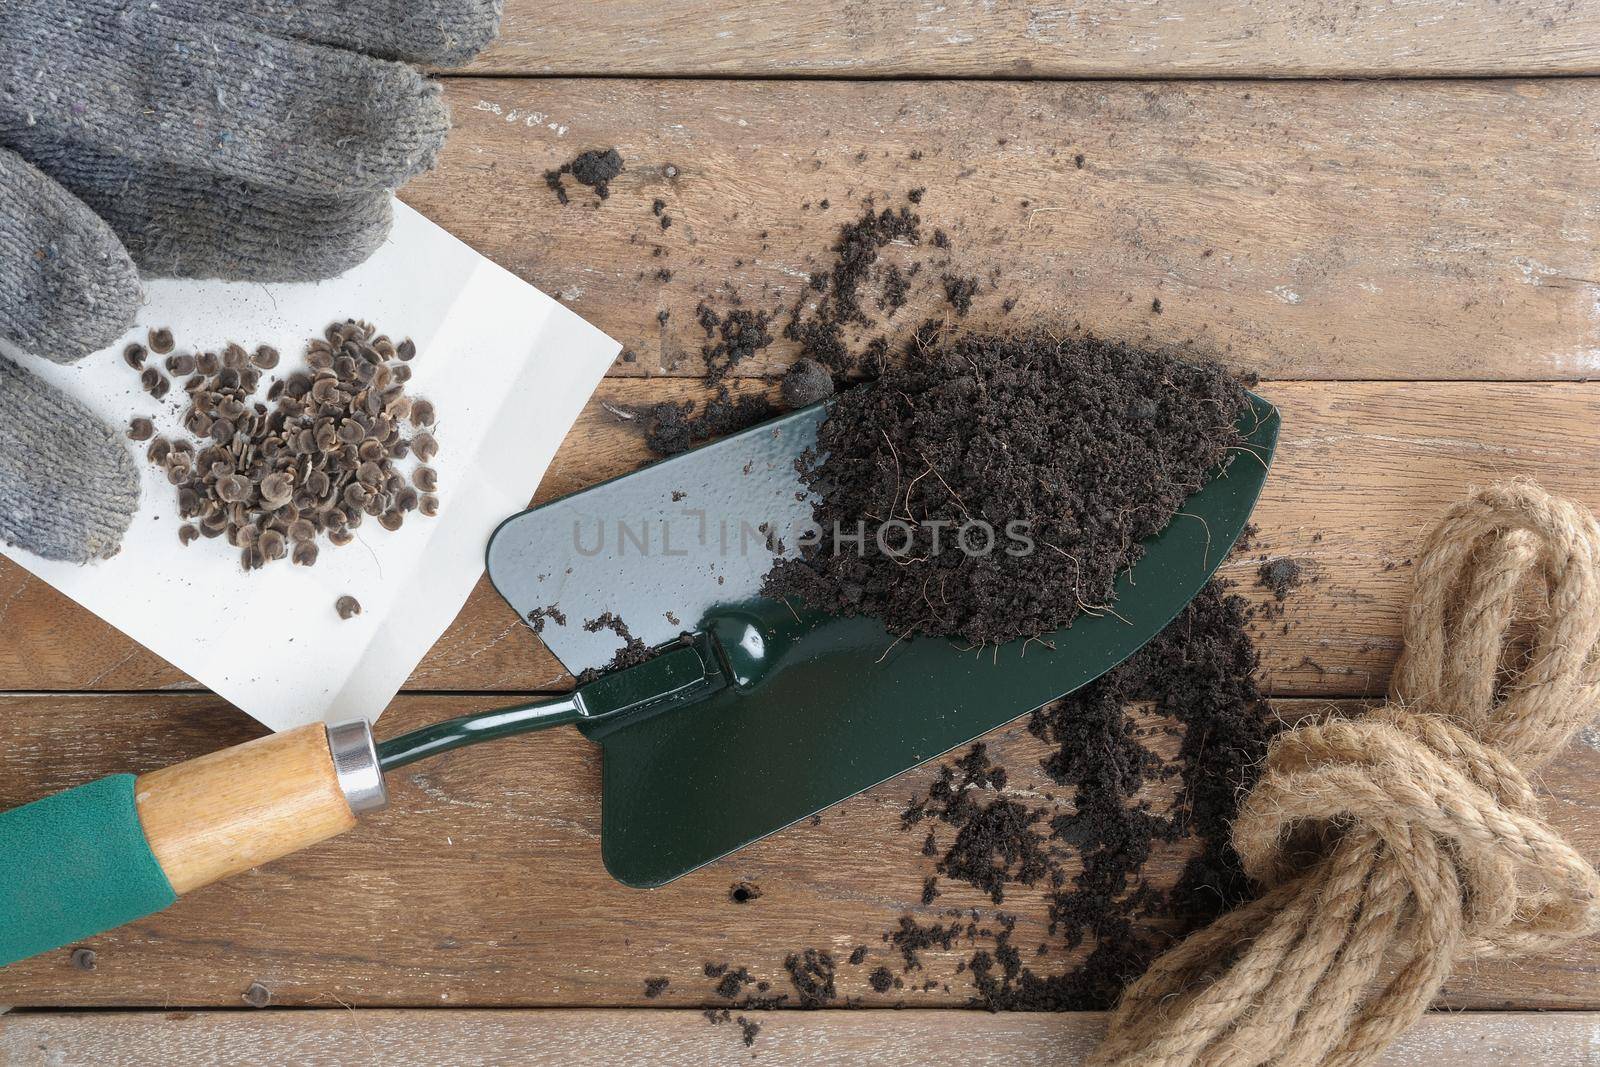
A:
(508, 370)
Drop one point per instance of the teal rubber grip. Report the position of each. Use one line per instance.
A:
(74, 865)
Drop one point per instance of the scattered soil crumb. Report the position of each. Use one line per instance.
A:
(744, 892)
(1281, 577)
(805, 382)
(539, 616)
(632, 653)
(594, 168)
(654, 987)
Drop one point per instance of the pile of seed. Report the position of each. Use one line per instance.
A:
(313, 461)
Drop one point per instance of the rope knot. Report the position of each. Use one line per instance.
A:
(1410, 837)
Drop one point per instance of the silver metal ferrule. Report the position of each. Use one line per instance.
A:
(355, 761)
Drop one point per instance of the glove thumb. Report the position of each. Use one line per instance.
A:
(67, 286)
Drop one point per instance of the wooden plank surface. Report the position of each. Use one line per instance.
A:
(1440, 230)
(1362, 469)
(482, 884)
(333, 1038)
(1045, 39)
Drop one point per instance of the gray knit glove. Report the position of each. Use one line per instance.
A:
(238, 139)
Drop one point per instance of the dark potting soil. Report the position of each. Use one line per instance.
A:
(1200, 673)
(672, 427)
(632, 653)
(821, 332)
(538, 617)
(594, 168)
(1281, 577)
(829, 354)
(1004, 482)
(805, 382)
(731, 338)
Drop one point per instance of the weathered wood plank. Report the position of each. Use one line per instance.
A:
(1040, 39)
(482, 884)
(1437, 230)
(1363, 468)
(333, 1038)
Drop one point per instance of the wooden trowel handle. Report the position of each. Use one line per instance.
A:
(92, 858)
(224, 813)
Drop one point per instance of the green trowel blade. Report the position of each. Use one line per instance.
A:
(815, 708)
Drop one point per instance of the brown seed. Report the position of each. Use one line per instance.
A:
(233, 489)
(161, 341)
(180, 364)
(277, 488)
(391, 520)
(429, 505)
(426, 479)
(272, 544)
(234, 357)
(407, 350)
(406, 499)
(149, 378)
(401, 374)
(163, 387)
(222, 431)
(158, 451)
(352, 432)
(302, 529)
(266, 357)
(141, 429)
(207, 363)
(187, 534)
(340, 536)
(304, 554)
(422, 413)
(134, 356)
(347, 606)
(425, 445)
(251, 558)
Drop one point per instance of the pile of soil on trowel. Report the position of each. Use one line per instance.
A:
(1004, 483)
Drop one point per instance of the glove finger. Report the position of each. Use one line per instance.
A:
(67, 286)
(439, 33)
(68, 487)
(179, 223)
(127, 81)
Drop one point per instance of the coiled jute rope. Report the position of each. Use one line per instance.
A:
(1392, 846)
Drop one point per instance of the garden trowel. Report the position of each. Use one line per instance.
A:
(739, 715)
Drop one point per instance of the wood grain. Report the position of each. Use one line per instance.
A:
(1362, 470)
(482, 884)
(1438, 230)
(1040, 39)
(333, 1038)
(228, 811)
